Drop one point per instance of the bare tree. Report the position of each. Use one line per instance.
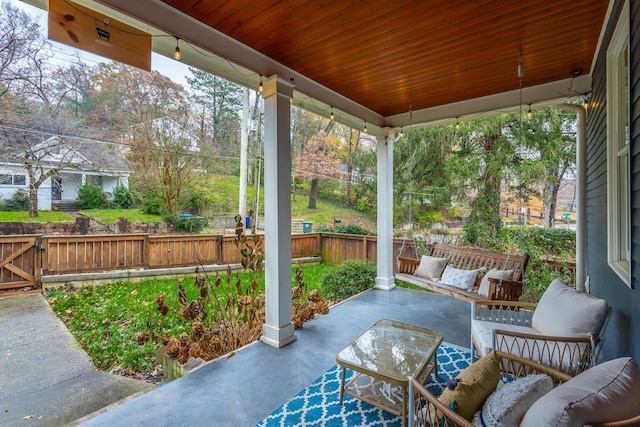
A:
(34, 125)
(23, 51)
(166, 159)
(38, 145)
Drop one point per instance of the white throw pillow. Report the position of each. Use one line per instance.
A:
(564, 311)
(605, 393)
(493, 274)
(508, 404)
(459, 278)
(430, 267)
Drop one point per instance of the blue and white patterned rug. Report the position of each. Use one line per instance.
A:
(318, 404)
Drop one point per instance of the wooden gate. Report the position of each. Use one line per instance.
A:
(20, 261)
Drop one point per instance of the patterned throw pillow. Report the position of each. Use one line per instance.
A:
(459, 278)
(508, 404)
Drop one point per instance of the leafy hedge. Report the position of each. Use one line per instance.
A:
(19, 201)
(345, 229)
(349, 278)
(91, 197)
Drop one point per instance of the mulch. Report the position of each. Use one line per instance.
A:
(21, 291)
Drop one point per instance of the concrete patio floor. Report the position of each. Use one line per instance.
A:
(244, 388)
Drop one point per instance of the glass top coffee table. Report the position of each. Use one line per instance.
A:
(383, 358)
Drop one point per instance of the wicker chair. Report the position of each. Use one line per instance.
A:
(427, 410)
(508, 326)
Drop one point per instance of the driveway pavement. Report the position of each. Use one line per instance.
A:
(46, 379)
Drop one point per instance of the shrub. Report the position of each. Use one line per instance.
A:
(152, 206)
(350, 278)
(454, 212)
(429, 217)
(19, 201)
(185, 225)
(196, 201)
(91, 197)
(124, 198)
(344, 229)
(363, 204)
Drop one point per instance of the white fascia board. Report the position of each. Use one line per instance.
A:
(545, 94)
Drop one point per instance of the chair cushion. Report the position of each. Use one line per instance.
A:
(430, 267)
(605, 393)
(508, 404)
(474, 385)
(482, 333)
(493, 274)
(536, 350)
(459, 278)
(565, 311)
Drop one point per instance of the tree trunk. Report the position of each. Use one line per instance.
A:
(313, 194)
(550, 200)
(33, 200)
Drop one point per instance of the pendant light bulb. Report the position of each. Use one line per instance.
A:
(457, 124)
(332, 116)
(529, 113)
(260, 86)
(365, 127)
(401, 133)
(176, 53)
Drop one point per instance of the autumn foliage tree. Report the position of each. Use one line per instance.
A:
(317, 160)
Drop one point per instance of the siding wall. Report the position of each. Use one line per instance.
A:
(622, 336)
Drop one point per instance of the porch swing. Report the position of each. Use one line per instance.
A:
(475, 274)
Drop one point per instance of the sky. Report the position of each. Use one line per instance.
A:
(175, 70)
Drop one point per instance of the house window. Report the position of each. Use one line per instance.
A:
(95, 180)
(8, 179)
(618, 169)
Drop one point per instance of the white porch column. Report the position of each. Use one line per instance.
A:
(581, 195)
(277, 330)
(385, 279)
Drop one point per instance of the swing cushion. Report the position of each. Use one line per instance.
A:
(430, 267)
(460, 278)
(493, 274)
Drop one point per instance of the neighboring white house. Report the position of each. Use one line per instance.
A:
(93, 165)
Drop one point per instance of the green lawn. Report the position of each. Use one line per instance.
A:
(109, 216)
(43, 216)
(107, 319)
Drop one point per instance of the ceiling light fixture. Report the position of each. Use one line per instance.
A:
(529, 113)
(176, 53)
(365, 127)
(401, 132)
(457, 124)
(260, 86)
(332, 117)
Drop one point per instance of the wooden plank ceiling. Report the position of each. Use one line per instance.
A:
(388, 55)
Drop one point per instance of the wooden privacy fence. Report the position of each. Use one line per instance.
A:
(19, 263)
(23, 259)
(84, 254)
